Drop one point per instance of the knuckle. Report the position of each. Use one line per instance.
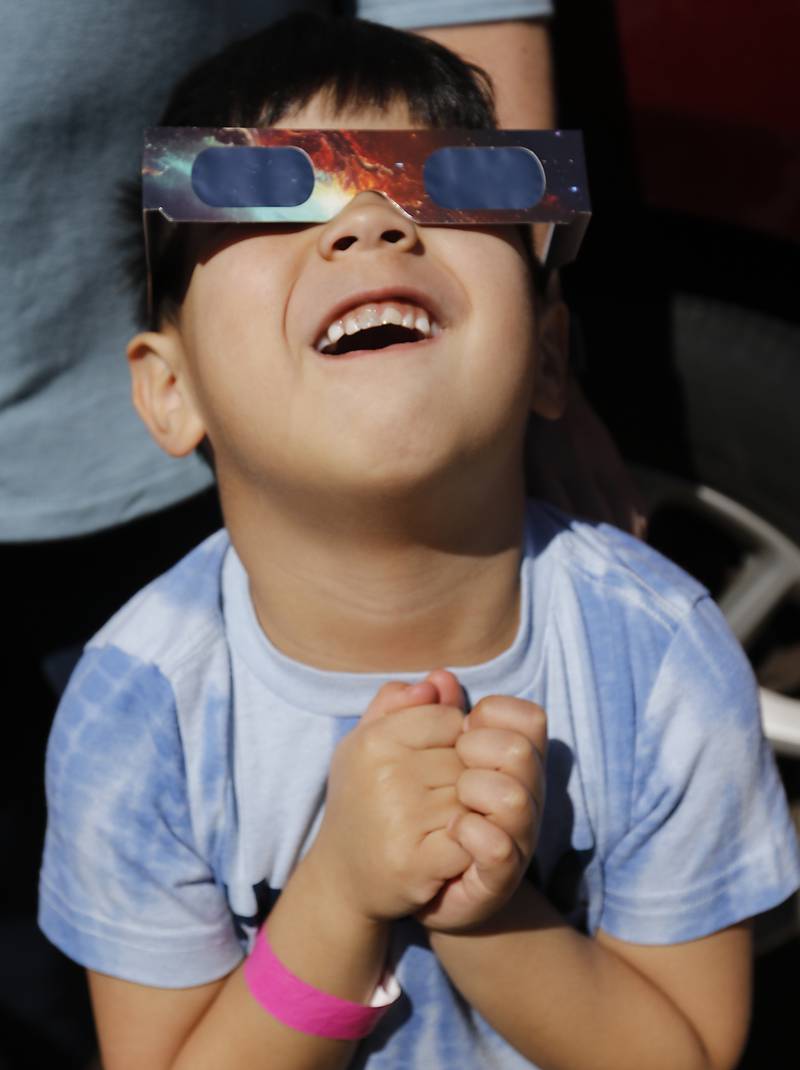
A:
(519, 750)
(447, 721)
(502, 850)
(538, 718)
(492, 704)
(469, 780)
(516, 800)
(464, 747)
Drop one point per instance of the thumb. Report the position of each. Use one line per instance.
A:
(448, 688)
(396, 696)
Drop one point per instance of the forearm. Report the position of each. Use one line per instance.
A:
(322, 942)
(517, 57)
(328, 933)
(563, 999)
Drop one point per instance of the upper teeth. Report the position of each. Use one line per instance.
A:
(372, 315)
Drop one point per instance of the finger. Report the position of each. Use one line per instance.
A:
(503, 800)
(410, 820)
(439, 810)
(441, 856)
(498, 748)
(437, 767)
(397, 695)
(491, 793)
(450, 692)
(422, 727)
(513, 714)
(495, 860)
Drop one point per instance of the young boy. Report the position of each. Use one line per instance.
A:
(211, 752)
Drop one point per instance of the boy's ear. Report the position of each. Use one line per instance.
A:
(161, 391)
(552, 359)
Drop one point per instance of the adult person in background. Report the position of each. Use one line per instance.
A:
(82, 528)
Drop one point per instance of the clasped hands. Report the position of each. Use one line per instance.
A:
(431, 813)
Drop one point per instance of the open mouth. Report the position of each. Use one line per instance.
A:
(377, 326)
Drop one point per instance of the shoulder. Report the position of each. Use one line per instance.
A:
(648, 635)
(662, 719)
(174, 618)
(614, 601)
(136, 782)
(628, 571)
(115, 729)
(633, 601)
(122, 717)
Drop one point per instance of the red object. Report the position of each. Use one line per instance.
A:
(714, 95)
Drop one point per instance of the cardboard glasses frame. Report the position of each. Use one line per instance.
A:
(433, 177)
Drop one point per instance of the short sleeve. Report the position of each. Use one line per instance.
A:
(123, 889)
(709, 840)
(411, 14)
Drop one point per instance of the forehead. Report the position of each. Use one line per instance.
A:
(321, 113)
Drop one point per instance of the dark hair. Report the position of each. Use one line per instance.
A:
(256, 81)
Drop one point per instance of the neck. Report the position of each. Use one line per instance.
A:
(388, 586)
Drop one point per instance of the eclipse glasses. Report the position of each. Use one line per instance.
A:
(434, 177)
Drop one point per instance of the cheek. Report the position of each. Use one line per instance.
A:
(501, 295)
(494, 269)
(503, 355)
(235, 308)
(232, 290)
(234, 346)
(248, 280)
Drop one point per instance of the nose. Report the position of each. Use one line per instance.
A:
(366, 224)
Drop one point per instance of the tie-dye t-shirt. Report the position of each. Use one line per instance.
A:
(187, 764)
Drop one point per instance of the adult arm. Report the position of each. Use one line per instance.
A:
(516, 54)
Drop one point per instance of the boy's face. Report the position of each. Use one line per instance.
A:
(248, 365)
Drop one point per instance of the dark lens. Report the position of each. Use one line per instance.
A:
(494, 178)
(244, 177)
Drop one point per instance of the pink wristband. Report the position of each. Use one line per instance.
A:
(307, 1009)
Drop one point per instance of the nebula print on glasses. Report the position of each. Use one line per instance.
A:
(435, 177)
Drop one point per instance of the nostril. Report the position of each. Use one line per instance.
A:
(344, 243)
(392, 236)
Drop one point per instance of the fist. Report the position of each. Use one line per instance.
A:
(391, 798)
(502, 748)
